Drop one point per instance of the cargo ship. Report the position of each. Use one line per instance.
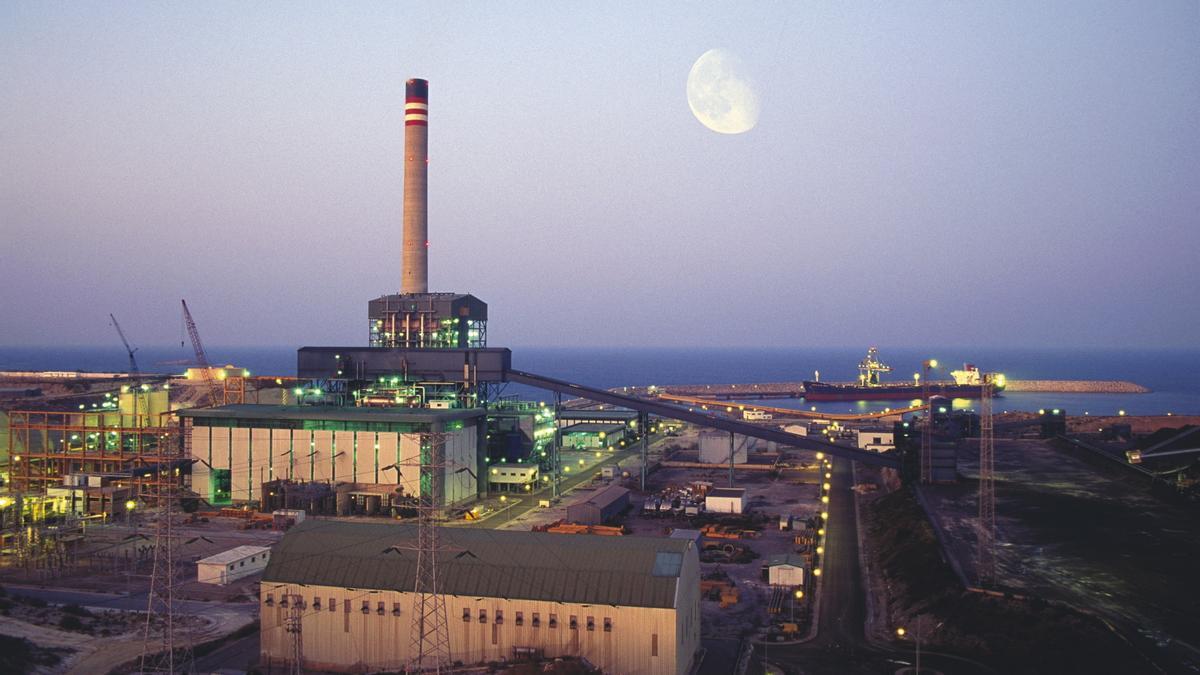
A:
(967, 383)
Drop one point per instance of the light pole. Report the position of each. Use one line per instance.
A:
(917, 640)
(798, 595)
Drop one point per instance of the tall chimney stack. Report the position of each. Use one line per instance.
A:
(414, 276)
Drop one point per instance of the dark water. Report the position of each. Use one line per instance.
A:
(1173, 375)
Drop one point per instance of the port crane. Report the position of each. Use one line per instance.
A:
(214, 390)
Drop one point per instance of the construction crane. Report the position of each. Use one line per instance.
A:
(214, 390)
(133, 368)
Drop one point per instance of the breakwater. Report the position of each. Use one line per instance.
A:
(761, 390)
(1077, 386)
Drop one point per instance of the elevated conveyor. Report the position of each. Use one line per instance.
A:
(702, 419)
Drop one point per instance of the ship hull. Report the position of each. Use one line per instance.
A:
(825, 391)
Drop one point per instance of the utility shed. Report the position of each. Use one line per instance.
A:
(725, 500)
(626, 604)
(785, 569)
(600, 507)
(233, 564)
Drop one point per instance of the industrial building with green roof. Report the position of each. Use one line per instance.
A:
(626, 604)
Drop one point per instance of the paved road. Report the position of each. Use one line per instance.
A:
(240, 654)
(565, 485)
(132, 601)
(841, 645)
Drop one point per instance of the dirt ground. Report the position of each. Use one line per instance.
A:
(793, 492)
(118, 557)
(1075, 529)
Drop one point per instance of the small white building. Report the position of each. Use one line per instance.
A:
(233, 564)
(512, 477)
(785, 569)
(798, 429)
(725, 500)
(876, 439)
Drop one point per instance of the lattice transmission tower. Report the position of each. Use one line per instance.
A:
(162, 650)
(987, 487)
(430, 648)
(926, 433)
(294, 626)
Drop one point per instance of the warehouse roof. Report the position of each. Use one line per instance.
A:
(727, 493)
(785, 559)
(604, 498)
(594, 428)
(626, 571)
(234, 555)
(590, 414)
(252, 411)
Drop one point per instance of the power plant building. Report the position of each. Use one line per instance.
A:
(428, 321)
(237, 448)
(626, 604)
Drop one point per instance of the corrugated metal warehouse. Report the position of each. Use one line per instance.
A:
(599, 507)
(626, 604)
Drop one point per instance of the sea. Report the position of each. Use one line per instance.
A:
(1172, 375)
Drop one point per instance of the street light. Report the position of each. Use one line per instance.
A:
(917, 640)
(798, 595)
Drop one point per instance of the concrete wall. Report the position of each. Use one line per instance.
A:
(714, 448)
(724, 504)
(344, 641)
(872, 440)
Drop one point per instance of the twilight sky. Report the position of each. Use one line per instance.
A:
(1021, 174)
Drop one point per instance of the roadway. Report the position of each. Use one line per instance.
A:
(841, 645)
(567, 483)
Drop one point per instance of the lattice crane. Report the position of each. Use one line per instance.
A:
(133, 367)
(214, 390)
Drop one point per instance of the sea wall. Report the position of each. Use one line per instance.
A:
(1077, 386)
(751, 390)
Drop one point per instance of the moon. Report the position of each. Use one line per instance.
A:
(720, 92)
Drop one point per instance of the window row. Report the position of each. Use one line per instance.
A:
(536, 620)
(289, 600)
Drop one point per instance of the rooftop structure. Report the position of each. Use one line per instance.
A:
(428, 321)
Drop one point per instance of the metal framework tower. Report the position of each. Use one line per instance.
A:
(732, 452)
(430, 650)
(927, 438)
(644, 428)
(926, 457)
(161, 651)
(293, 624)
(987, 489)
